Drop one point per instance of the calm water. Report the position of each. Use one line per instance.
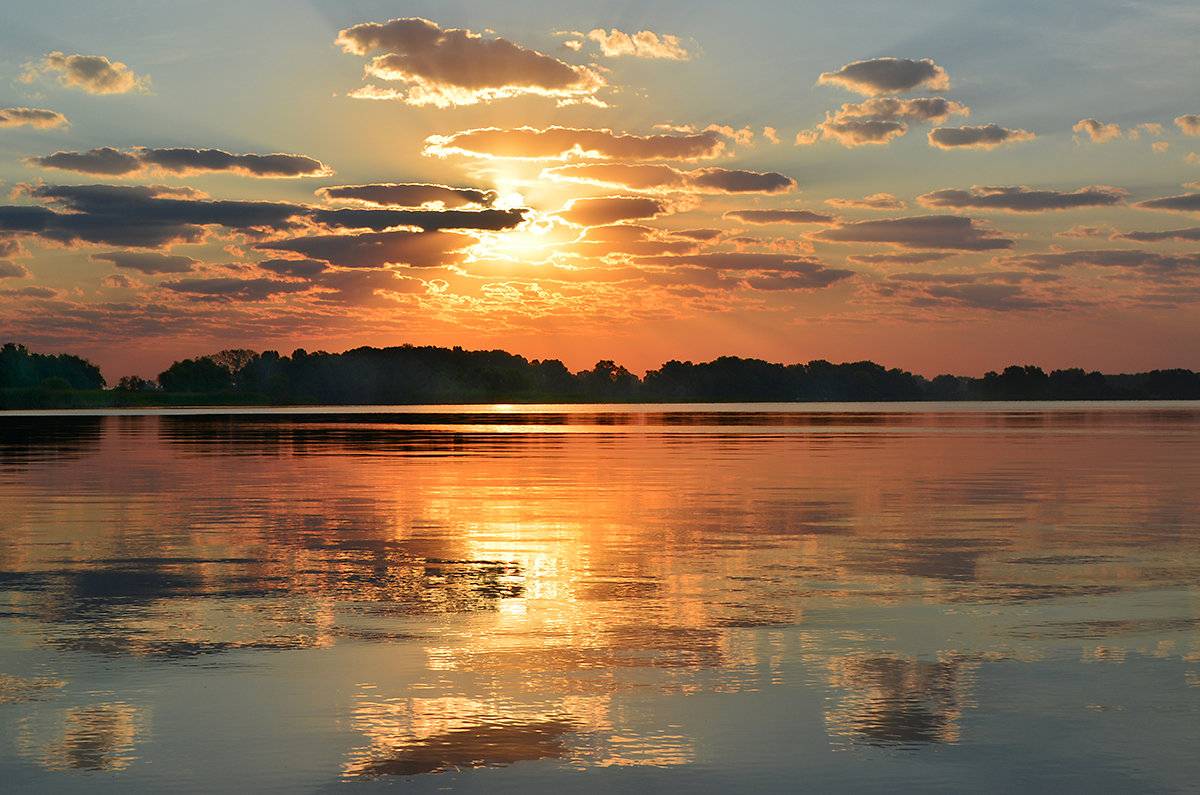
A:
(997, 597)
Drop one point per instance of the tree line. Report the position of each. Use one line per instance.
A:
(427, 374)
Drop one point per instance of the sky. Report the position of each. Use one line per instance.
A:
(937, 186)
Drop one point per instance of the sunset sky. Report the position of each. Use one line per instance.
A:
(936, 186)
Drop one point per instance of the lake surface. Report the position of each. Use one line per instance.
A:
(734, 598)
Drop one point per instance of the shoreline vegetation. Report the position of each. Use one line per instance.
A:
(408, 375)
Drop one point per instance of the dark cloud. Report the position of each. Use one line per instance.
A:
(14, 117)
(954, 232)
(12, 270)
(1192, 233)
(410, 195)
(1021, 199)
(562, 143)
(458, 67)
(780, 217)
(1190, 124)
(987, 137)
(143, 216)
(665, 179)
(627, 239)
(183, 162)
(363, 287)
(229, 288)
(1133, 260)
(930, 109)
(30, 292)
(700, 234)
(94, 74)
(147, 262)
(611, 209)
(377, 249)
(428, 220)
(989, 291)
(298, 268)
(888, 76)
(1188, 203)
(103, 161)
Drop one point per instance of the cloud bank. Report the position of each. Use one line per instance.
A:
(1021, 199)
(665, 179)
(111, 162)
(562, 143)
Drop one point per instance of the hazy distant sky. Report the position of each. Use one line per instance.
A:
(938, 186)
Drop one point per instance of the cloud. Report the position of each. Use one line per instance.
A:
(1188, 203)
(611, 209)
(230, 288)
(111, 162)
(780, 217)
(1083, 231)
(953, 232)
(887, 76)
(1192, 233)
(457, 67)
(771, 134)
(1097, 131)
(562, 143)
(856, 133)
(298, 268)
(143, 216)
(14, 117)
(905, 258)
(410, 195)
(876, 201)
(665, 179)
(1148, 127)
(995, 292)
(1021, 199)
(1147, 262)
(428, 220)
(365, 287)
(643, 44)
(377, 249)
(987, 137)
(94, 74)
(802, 272)
(148, 263)
(930, 109)
(1190, 124)
(12, 270)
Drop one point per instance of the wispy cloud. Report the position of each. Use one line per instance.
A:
(643, 44)
(1021, 199)
(34, 117)
(94, 74)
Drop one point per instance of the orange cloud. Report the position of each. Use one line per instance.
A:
(612, 209)
(378, 249)
(856, 132)
(877, 201)
(457, 67)
(665, 179)
(14, 117)
(931, 109)
(1190, 124)
(887, 76)
(562, 143)
(1097, 131)
(1021, 199)
(94, 74)
(987, 137)
(643, 44)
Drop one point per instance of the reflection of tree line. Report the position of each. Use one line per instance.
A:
(411, 375)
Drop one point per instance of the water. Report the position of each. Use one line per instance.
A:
(995, 597)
